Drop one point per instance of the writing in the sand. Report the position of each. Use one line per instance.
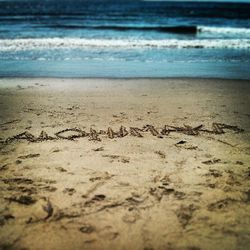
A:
(94, 135)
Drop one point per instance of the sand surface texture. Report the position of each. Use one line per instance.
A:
(124, 164)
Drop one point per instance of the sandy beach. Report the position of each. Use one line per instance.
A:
(142, 164)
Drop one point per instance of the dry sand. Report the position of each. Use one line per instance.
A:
(188, 189)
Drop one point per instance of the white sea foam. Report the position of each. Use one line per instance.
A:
(81, 43)
(224, 30)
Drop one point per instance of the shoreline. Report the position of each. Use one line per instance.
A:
(126, 69)
(125, 78)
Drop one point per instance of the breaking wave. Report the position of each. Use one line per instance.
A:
(81, 43)
(224, 30)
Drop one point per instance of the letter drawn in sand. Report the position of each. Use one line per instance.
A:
(75, 133)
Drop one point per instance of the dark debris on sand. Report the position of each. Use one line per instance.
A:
(23, 199)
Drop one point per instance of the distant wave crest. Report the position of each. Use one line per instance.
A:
(81, 43)
(162, 29)
(224, 30)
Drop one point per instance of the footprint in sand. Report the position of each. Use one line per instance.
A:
(131, 217)
(28, 156)
(186, 145)
(213, 172)
(108, 233)
(69, 191)
(5, 217)
(95, 199)
(87, 229)
(98, 149)
(164, 186)
(161, 154)
(117, 158)
(100, 176)
(60, 169)
(211, 162)
(221, 204)
(4, 167)
(185, 214)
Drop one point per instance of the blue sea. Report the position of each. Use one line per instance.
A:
(126, 38)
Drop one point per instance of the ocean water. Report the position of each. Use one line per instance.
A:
(125, 38)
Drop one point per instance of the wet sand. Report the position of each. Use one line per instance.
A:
(124, 164)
